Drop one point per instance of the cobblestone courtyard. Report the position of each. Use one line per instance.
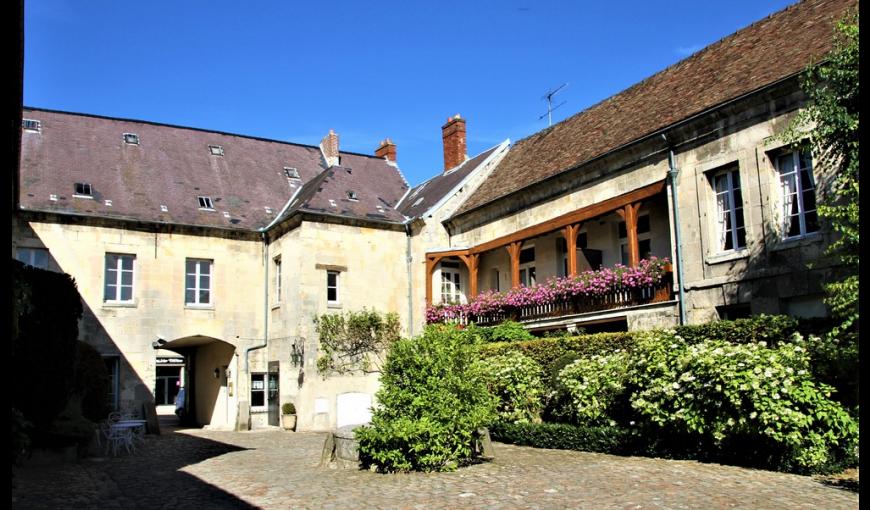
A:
(274, 469)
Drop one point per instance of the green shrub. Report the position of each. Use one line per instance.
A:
(546, 351)
(515, 379)
(594, 385)
(720, 391)
(288, 408)
(510, 331)
(770, 329)
(433, 398)
(605, 439)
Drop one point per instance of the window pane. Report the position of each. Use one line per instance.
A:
(257, 398)
(109, 292)
(205, 282)
(127, 263)
(190, 281)
(621, 228)
(738, 199)
(645, 248)
(204, 297)
(806, 160)
(794, 226)
(332, 294)
(735, 179)
(331, 278)
(809, 200)
(40, 259)
(527, 255)
(739, 215)
(204, 267)
(190, 266)
(807, 180)
(189, 296)
(126, 293)
(741, 238)
(812, 222)
(720, 183)
(126, 277)
(643, 224)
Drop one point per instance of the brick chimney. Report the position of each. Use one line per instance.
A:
(329, 147)
(453, 135)
(387, 149)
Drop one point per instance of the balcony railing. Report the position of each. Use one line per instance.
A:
(663, 291)
(606, 289)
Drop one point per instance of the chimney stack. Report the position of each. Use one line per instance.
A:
(387, 149)
(329, 147)
(453, 135)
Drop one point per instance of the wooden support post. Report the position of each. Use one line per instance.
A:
(471, 262)
(629, 215)
(570, 233)
(431, 262)
(514, 251)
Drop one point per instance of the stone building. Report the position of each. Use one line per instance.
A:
(202, 257)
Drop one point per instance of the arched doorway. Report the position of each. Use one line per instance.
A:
(209, 380)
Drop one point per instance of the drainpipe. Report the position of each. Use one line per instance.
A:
(408, 259)
(265, 302)
(672, 173)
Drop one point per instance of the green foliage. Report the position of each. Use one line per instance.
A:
(46, 308)
(515, 379)
(832, 116)
(563, 436)
(510, 331)
(355, 341)
(91, 382)
(770, 329)
(433, 398)
(716, 390)
(288, 408)
(547, 351)
(593, 386)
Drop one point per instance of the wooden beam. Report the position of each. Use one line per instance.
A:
(514, 252)
(472, 263)
(570, 233)
(629, 214)
(431, 262)
(577, 216)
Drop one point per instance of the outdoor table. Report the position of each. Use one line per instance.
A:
(138, 426)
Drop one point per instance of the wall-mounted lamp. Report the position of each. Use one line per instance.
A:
(297, 355)
(217, 373)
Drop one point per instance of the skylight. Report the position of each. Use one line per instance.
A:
(83, 189)
(291, 173)
(205, 203)
(351, 195)
(131, 138)
(418, 202)
(30, 125)
(216, 150)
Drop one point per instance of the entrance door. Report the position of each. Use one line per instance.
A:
(273, 396)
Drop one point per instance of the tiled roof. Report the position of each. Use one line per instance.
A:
(425, 195)
(763, 53)
(171, 167)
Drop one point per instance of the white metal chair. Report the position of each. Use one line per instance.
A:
(120, 437)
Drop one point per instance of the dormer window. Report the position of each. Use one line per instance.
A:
(83, 190)
(131, 138)
(351, 195)
(30, 125)
(205, 203)
(216, 150)
(291, 173)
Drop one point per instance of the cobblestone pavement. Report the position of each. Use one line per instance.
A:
(274, 469)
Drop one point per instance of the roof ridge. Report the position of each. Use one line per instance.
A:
(191, 128)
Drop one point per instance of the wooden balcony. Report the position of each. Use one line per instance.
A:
(661, 292)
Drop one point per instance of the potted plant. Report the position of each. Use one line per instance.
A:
(288, 416)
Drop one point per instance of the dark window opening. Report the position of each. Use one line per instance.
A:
(84, 189)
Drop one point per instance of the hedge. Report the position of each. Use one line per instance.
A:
(546, 351)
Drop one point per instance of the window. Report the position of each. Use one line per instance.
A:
(258, 390)
(197, 282)
(216, 150)
(113, 367)
(332, 286)
(351, 195)
(798, 194)
(205, 203)
(30, 125)
(731, 312)
(84, 190)
(451, 282)
(527, 266)
(119, 278)
(730, 228)
(644, 242)
(496, 284)
(131, 138)
(291, 173)
(36, 257)
(277, 279)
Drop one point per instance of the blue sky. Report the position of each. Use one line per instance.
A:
(369, 70)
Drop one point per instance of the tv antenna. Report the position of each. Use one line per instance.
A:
(549, 97)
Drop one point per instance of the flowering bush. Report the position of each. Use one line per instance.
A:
(515, 379)
(593, 384)
(720, 391)
(649, 272)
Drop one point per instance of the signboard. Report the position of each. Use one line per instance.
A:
(170, 361)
